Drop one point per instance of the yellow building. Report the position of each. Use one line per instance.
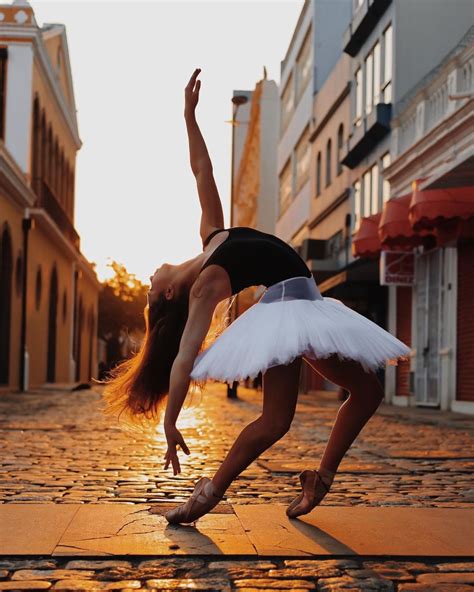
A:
(48, 290)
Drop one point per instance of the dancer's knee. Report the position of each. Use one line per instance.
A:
(369, 393)
(273, 429)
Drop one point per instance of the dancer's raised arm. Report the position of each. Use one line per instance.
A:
(201, 165)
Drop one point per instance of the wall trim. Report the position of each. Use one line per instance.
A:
(463, 407)
(400, 401)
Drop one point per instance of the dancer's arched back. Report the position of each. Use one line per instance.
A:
(181, 303)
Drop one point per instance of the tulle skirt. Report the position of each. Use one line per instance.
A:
(292, 319)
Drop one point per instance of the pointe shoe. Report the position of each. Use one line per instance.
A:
(315, 487)
(202, 500)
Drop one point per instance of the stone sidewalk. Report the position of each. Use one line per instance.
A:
(61, 456)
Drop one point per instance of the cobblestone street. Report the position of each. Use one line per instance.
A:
(59, 449)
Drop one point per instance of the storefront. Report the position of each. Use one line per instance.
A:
(424, 241)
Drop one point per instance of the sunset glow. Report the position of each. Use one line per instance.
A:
(136, 198)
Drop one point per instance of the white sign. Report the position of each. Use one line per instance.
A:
(397, 268)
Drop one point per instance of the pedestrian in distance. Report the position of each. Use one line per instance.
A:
(291, 323)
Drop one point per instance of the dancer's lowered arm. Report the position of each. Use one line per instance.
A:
(203, 300)
(201, 165)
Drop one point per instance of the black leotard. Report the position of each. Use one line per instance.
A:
(253, 258)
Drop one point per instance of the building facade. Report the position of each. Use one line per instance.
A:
(381, 40)
(312, 53)
(48, 290)
(432, 184)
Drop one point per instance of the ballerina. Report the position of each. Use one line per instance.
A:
(290, 323)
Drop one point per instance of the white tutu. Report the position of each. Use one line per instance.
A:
(292, 319)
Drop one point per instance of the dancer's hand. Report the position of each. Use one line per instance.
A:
(191, 93)
(174, 438)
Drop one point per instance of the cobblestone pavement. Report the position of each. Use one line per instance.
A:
(58, 447)
(195, 573)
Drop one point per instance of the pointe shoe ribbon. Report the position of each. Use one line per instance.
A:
(314, 490)
(202, 500)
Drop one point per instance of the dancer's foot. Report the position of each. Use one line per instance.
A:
(316, 485)
(202, 500)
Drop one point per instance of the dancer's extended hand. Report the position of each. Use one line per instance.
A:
(191, 93)
(174, 438)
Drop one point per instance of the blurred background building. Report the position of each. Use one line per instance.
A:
(48, 290)
(375, 181)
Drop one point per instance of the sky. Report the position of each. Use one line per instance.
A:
(136, 196)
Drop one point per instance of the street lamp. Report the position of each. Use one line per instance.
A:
(237, 100)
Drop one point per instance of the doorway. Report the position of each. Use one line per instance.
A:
(429, 288)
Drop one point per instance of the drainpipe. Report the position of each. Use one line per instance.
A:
(27, 224)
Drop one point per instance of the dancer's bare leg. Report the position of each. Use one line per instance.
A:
(280, 393)
(366, 394)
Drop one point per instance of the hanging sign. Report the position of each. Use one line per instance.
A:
(397, 268)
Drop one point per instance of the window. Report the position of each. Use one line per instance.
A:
(387, 65)
(374, 191)
(376, 89)
(372, 78)
(287, 102)
(369, 90)
(303, 156)
(371, 190)
(334, 245)
(3, 77)
(303, 65)
(285, 187)
(367, 194)
(357, 205)
(318, 174)
(385, 184)
(328, 162)
(358, 97)
(340, 143)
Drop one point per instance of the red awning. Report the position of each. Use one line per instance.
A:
(366, 242)
(430, 207)
(395, 231)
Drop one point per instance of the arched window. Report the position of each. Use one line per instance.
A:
(61, 195)
(44, 150)
(66, 187)
(36, 147)
(49, 174)
(340, 142)
(318, 174)
(328, 163)
(56, 169)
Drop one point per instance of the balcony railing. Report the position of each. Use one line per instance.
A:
(52, 206)
(363, 23)
(364, 137)
(429, 104)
